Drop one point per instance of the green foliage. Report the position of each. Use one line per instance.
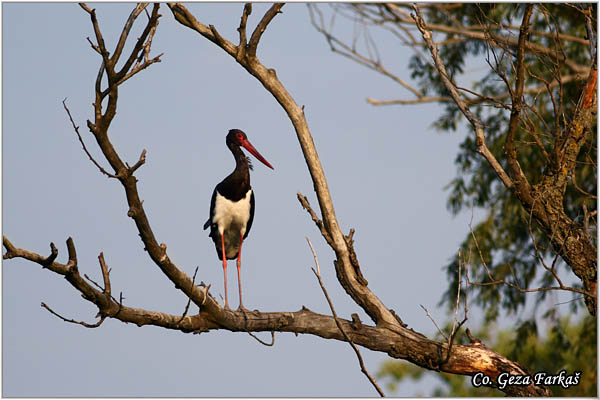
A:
(564, 345)
(505, 237)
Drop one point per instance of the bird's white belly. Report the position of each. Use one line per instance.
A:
(232, 215)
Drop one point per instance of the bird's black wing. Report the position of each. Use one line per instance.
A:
(212, 210)
(249, 224)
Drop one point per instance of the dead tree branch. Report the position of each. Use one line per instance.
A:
(76, 128)
(474, 121)
(72, 321)
(397, 343)
(393, 18)
(262, 341)
(363, 369)
(519, 178)
(434, 322)
(99, 128)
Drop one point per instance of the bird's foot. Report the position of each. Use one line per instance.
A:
(243, 309)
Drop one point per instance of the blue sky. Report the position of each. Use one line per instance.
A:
(385, 166)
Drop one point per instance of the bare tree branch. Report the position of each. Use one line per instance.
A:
(398, 343)
(420, 100)
(76, 128)
(184, 17)
(96, 325)
(242, 31)
(187, 307)
(434, 323)
(499, 40)
(263, 342)
(306, 205)
(105, 273)
(100, 47)
(363, 369)
(475, 122)
(351, 53)
(261, 27)
(516, 172)
(99, 129)
(455, 328)
(125, 32)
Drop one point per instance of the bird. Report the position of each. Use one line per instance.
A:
(232, 207)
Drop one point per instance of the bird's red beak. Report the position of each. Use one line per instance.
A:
(248, 146)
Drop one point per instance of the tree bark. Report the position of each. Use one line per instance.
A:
(394, 339)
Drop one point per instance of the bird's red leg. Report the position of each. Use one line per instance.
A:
(224, 268)
(239, 266)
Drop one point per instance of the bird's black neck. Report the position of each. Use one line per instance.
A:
(237, 184)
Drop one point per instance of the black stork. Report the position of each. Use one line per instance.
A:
(232, 207)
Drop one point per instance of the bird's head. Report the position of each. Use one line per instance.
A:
(238, 138)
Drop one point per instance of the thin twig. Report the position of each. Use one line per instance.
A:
(457, 291)
(86, 276)
(101, 47)
(54, 253)
(242, 28)
(139, 163)
(262, 25)
(306, 205)
(97, 324)
(143, 42)
(138, 68)
(262, 342)
(76, 128)
(494, 281)
(105, 275)
(475, 122)
(514, 167)
(580, 190)
(187, 307)
(349, 51)
(455, 328)
(435, 323)
(339, 325)
(420, 100)
(125, 32)
(590, 32)
(586, 217)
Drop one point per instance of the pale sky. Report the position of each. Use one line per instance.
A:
(386, 168)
